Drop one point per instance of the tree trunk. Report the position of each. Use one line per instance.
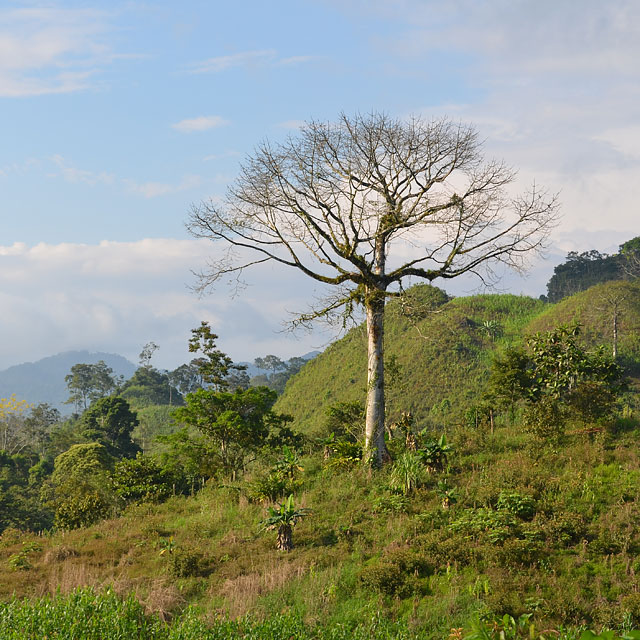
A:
(375, 449)
(615, 332)
(285, 535)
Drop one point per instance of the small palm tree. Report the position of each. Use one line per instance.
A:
(284, 518)
(435, 453)
(289, 464)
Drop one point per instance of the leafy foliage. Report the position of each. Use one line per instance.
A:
(143, 479)
(559, 380)
(148, 386)
(213, 365)
(78, 489)
(235, 424)
(110, 421)
(88, 382)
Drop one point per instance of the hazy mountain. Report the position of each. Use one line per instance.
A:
(43, 381)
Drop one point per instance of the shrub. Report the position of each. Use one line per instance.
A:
(398, 573)
(391, 503)
(407, 472)
(270, 487)
(81, 511)
(518, 553)
(187, 563)
(519, 505)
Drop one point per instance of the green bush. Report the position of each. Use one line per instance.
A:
(398, 573)
(187, 563)
(519, 505)
(82, 511)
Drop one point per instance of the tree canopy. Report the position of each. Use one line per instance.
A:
(109, 422)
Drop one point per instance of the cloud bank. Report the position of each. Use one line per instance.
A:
(117, 296)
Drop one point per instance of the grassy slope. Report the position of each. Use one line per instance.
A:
(444, 359)
(571, 561)
(594, 309)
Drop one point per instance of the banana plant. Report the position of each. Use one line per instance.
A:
(284, 518)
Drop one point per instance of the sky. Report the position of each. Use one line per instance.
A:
(116, 117)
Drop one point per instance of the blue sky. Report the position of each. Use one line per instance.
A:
(117, 116)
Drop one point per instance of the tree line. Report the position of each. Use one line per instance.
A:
(580, 271)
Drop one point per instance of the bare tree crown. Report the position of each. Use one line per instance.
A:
(335, 199)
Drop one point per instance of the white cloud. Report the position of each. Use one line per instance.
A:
(49, 50)
(156, 189)
(116, 296)
(202, 123)
(247, 59)
(554, 88)
(75, 175)
(222, 63)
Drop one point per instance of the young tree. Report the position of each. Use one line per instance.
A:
(214, 366)
(236, 424)
(12, 435)
(558, 380)
(270, 363)
(38, 424)
(146, 354)
(365, 204)
(186, 378)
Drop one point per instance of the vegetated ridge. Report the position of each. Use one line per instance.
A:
(443, 350)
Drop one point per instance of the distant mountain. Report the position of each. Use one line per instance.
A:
(43, 381)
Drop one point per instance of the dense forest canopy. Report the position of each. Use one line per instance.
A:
(583, 270)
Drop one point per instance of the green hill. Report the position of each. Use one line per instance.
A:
(443, 352)
(595, 309)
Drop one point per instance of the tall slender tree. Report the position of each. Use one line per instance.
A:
(364, 205)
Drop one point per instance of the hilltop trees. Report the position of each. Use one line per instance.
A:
(583, 270)
(109, 422)
(363, 205)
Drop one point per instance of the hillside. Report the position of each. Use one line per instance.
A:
(443, 352)
(43, 380)
(595, 309)
(489, 523)
(444, 356)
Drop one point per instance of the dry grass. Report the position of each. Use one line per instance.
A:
(242, 592)
(59, 554)
(162, 598)
(69, 575)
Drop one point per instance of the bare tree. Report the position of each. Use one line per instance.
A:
(146, 354)
(340, 200)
